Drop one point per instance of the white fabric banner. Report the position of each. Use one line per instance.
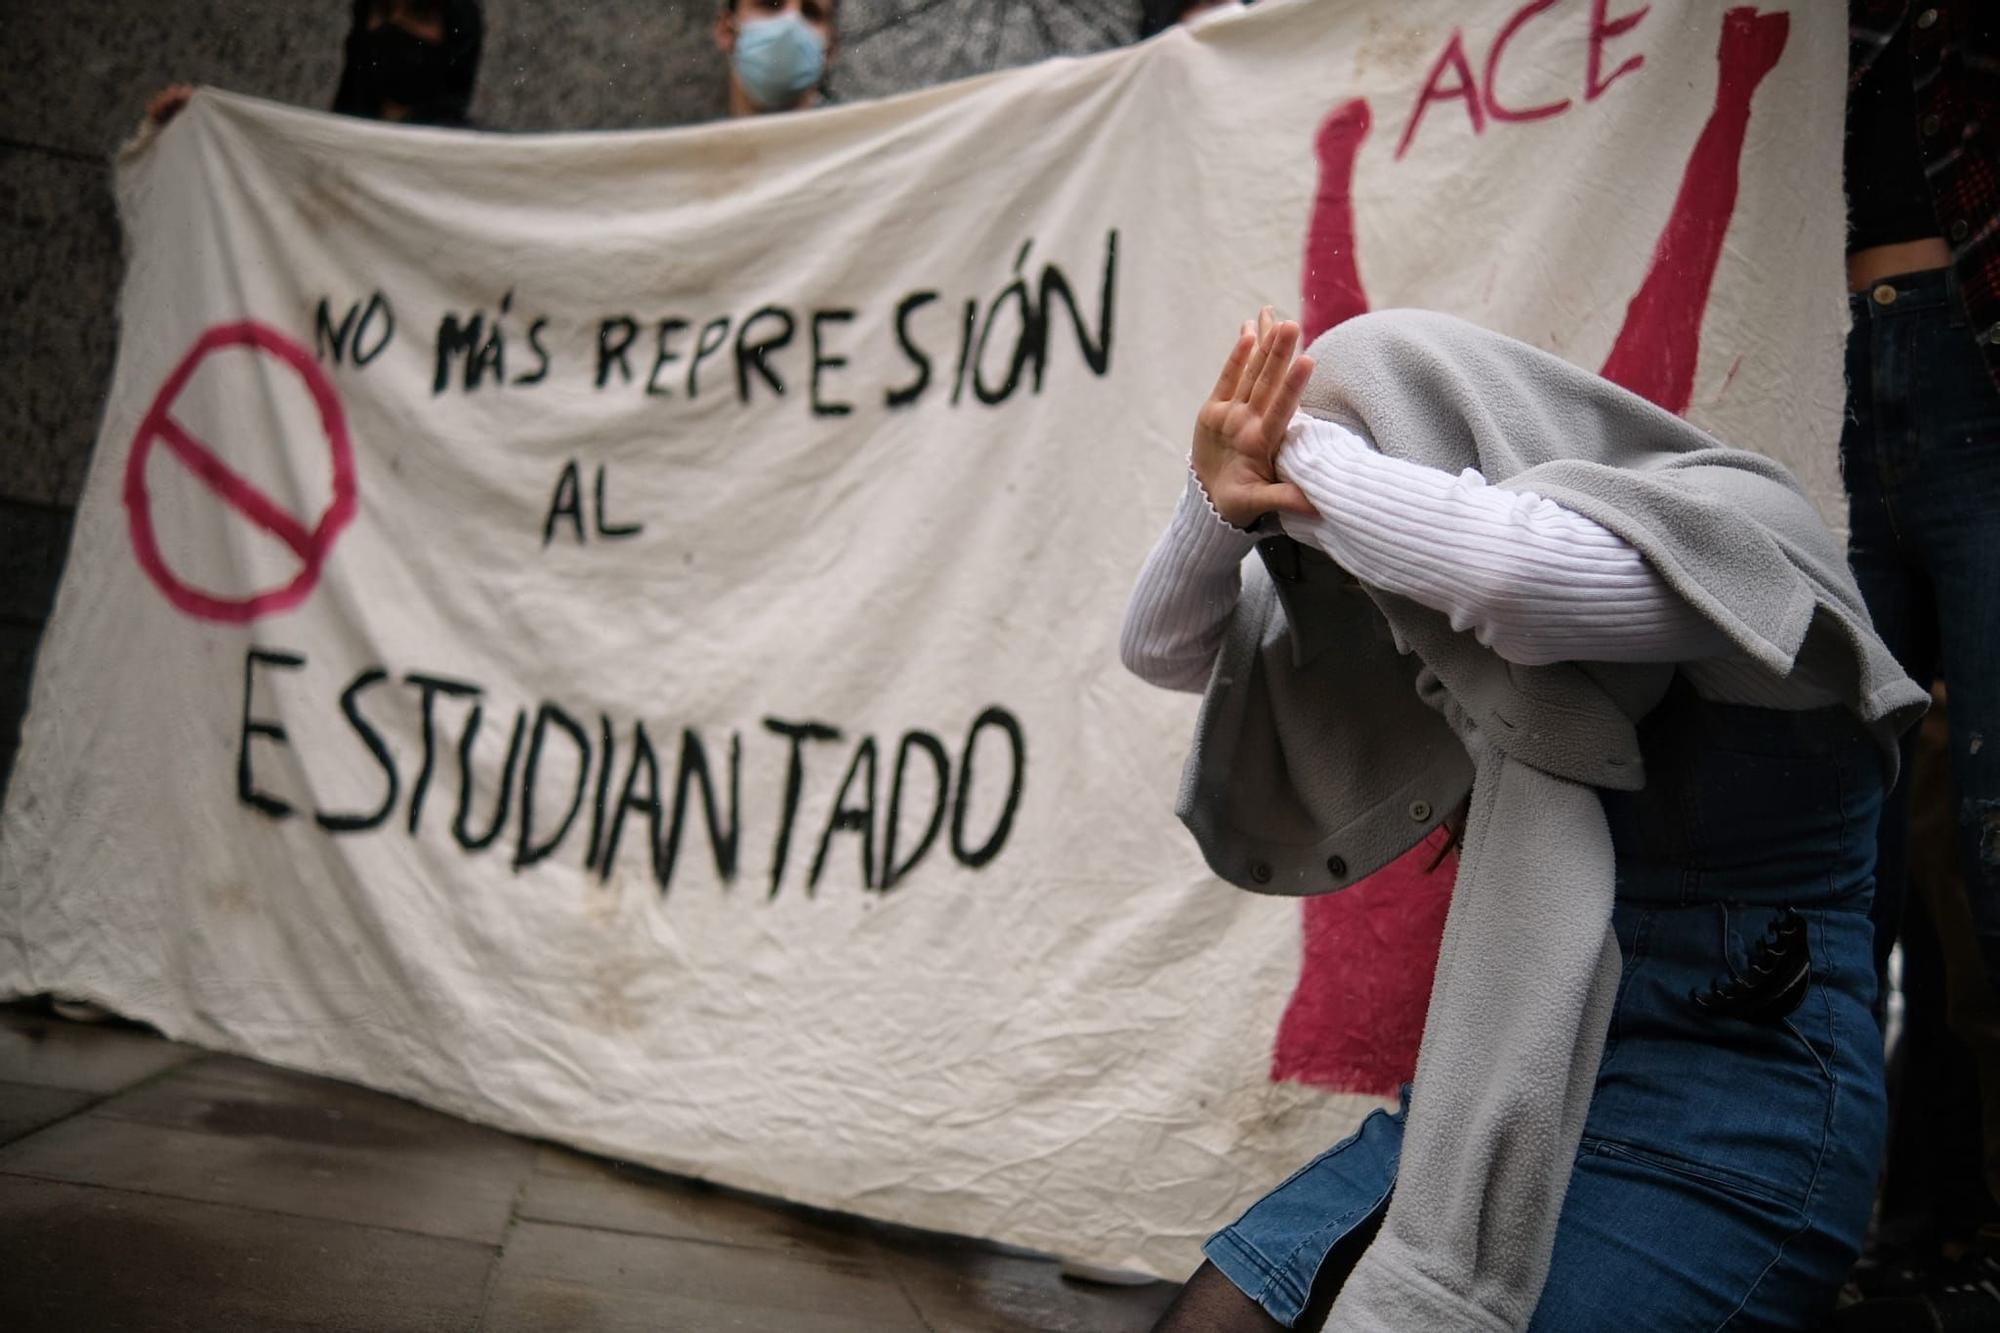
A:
(614, 635)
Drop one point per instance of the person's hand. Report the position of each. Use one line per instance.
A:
(167, 103)
(1239, 428)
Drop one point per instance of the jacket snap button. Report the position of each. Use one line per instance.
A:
(1337, 867)
(1884, 294)
(1930, 125)
(1960, 230)
(1420, 810)
(1260, 872)
(1927, 19)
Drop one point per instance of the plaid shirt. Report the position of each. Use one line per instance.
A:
(1955, 70)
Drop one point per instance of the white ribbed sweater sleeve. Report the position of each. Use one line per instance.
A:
(1180, 607)
(1531, 580)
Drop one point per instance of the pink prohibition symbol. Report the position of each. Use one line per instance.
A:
(1357, 1015)
(309, 545)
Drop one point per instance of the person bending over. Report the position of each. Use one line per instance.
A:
(1649, 1093)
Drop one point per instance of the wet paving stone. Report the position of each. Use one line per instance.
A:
(148, 1185)
(82, 1057)
(75, 1257)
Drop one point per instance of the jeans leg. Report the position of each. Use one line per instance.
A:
(1959, 500)
(1877, 447)
(1893, 582)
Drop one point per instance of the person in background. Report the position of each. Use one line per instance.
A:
(1156, 16)
(779, 52)
(1920, 453)
(408, 61)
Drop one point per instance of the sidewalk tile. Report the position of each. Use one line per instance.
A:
(575, 1190)
(375, 1186)
(83, 1057)
(25, 1108)
(969, 1289)
(242, 1099)
(81, 1258)
(598, 1282)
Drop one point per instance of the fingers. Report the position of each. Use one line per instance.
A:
(1253, 369)
(1232, 369)
(1283, 344)
(1285, 498)
(1285, 404)
(167, 103)
(1266, 319)
(1277, 341)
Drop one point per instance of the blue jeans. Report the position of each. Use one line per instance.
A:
(1727, 1166)
(1921, 456)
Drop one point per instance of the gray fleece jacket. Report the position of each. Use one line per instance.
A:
(1341, 721)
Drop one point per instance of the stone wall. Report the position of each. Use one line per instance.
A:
(75, 76)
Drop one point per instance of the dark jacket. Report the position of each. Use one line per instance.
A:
(1954, 49)
(360, 94)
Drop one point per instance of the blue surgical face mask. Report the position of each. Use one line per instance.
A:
(777, 59)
